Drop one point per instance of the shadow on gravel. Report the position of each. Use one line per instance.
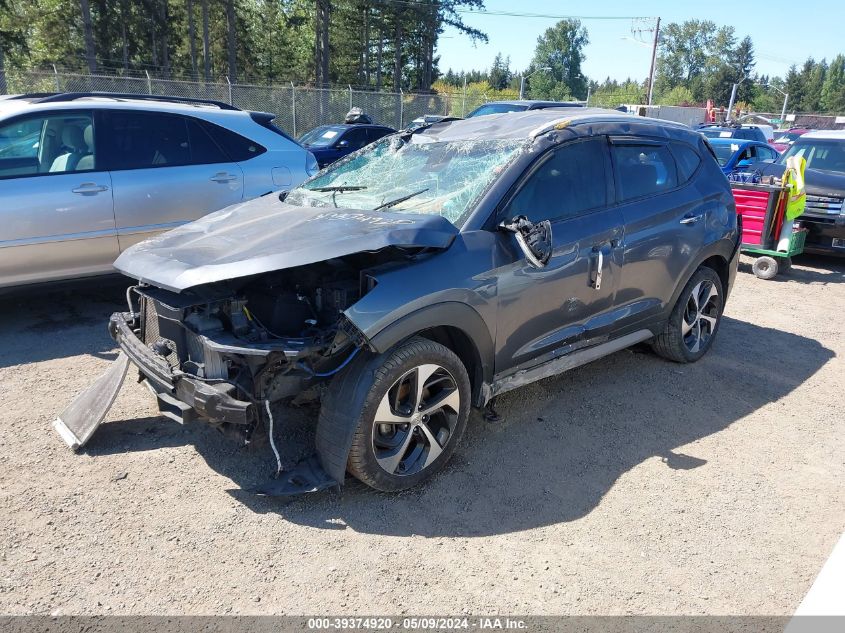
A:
(565, 441)
(57, 321)
(562, 445)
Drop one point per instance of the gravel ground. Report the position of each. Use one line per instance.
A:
(631, 485)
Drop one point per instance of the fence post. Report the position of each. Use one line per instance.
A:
(149, 83)
(401, 108)
(229, 84)
(464, 102)
(56, 72)
(293, 106)
(350, 95)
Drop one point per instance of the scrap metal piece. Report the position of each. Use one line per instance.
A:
(77, 423)
(307, 476)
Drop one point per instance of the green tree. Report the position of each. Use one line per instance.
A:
(813, 75)
(560, 48)
(794, 86)
(704, 58)
(833, 91)
(678, 96)
(500, 72)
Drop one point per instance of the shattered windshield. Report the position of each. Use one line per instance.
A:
(419, 175)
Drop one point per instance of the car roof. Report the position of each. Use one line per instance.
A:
(825, 134)
(530, 124)
(532, 102)
(36, 103)
(347, 126)
(734, 141)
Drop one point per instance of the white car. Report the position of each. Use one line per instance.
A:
(83, 176)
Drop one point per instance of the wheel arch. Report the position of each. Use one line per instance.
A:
(717, 257)
(454, 325)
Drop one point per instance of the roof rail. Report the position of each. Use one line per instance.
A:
(72, 96)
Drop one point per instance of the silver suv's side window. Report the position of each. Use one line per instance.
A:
(47, 144)
(141, 140)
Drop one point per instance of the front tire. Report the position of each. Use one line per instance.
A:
(695, 319)
(416, 402)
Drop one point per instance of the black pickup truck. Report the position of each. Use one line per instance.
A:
(824, 215)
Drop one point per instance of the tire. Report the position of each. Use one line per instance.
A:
(395, 447)
(785, 264)
(765, 267)
(691, 328)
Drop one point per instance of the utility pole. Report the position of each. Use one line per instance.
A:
(731, 104)
(653, 62)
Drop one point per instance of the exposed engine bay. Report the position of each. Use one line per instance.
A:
(266, 338)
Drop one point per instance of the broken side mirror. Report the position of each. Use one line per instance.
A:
(534, 239)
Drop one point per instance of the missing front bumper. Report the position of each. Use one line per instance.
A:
(180, 397)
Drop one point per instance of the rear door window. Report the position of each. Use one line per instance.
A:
(237, 147)
(643, 170)
(141, 140)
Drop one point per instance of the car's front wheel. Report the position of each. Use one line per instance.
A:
(695, 319)
(415, 405)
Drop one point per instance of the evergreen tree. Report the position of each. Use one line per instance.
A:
(833, 91)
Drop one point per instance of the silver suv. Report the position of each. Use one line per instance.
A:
(83, 176)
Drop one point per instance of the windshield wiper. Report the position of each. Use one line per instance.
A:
(339, 188)
(393, 203)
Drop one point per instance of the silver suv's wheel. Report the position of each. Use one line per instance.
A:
(695, 319)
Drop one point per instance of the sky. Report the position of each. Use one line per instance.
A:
(770, 24)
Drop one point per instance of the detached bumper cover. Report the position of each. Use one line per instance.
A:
(180, 396)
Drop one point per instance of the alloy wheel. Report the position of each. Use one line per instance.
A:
(700, 316)
(415, 420)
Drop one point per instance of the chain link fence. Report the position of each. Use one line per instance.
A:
(298, 108)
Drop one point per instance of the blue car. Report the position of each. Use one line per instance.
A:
(331, 142)
(735, 154)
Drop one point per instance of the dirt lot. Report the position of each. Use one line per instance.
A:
(632, 485)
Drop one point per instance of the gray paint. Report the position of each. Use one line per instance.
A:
(267, 235)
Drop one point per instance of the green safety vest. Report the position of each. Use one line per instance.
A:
(793, 182)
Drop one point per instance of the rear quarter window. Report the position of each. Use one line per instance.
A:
(687, 159)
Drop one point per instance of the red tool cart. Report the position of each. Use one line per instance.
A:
(762, 207)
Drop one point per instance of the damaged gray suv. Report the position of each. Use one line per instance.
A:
(424, 275)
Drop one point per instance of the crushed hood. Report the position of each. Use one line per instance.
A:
(265, 235)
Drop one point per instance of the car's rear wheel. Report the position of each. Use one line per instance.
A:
(414, 413)
(695, 319)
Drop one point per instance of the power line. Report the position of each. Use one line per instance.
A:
(518, 14)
